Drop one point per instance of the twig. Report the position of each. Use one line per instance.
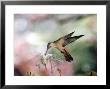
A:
(59, 70)
(45, 67)
(29, 74)
(38, 65)
(42, 61)
(51, 66)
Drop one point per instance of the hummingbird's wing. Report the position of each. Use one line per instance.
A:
(68, 57)
(71, 39)
(64, 37)
(69, 35)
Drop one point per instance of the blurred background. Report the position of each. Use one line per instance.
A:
(32, 32)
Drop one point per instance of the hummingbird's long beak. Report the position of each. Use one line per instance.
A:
(46, 51)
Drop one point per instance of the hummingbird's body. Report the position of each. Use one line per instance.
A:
(61, 43)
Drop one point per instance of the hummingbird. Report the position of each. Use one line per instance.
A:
(61, 43)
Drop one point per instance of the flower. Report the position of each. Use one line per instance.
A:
(36, 64)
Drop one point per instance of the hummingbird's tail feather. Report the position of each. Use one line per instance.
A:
(71, 39)
(77, 37)
(68, 57)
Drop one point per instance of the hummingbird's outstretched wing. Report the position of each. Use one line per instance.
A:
(69, 35)
(64, 37)
(67, 56)
(71, 39)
